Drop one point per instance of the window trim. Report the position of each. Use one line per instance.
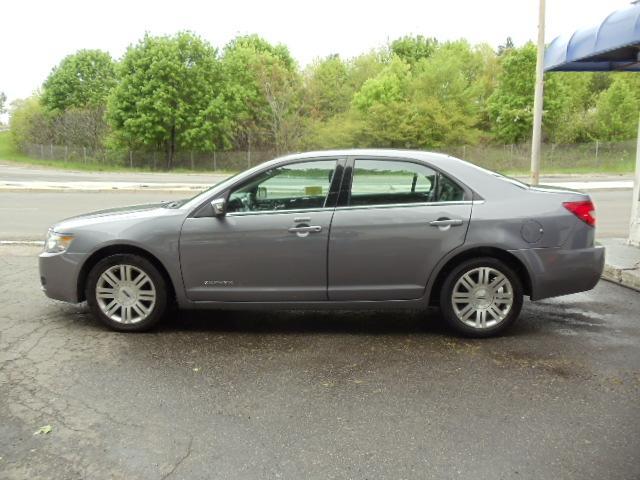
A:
(334, 188)
(345, 200)
(407, 205)
(276, 212)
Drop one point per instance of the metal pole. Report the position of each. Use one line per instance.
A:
(537, 101)
(634, 230)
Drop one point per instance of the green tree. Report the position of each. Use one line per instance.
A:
(263, 86)
(575, 119)
(511, 103)
(386, 115)
(327, 88)
(617, 111)
(387, 87)
(81, 80)
(367, 66)
(450, 87)
(3, 99)
(169, 96)
(412, 49)
(437, 101)
(29, 123)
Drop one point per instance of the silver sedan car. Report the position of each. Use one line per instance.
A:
(345, 229)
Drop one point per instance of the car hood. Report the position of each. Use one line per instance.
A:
(101, 216)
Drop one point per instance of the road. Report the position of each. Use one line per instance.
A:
(317, 395)
(20, 173)
(27, 215)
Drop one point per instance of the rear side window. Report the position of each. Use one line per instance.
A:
(448, 190)
(384, 182)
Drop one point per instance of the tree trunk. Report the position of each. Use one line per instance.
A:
(167, 155)
(170, 148)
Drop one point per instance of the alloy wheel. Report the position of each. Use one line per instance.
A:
(482, 297)
(125, 294)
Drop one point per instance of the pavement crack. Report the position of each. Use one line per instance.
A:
(180, 461)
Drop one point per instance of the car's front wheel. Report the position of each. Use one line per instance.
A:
(481, 297)
(127, 293)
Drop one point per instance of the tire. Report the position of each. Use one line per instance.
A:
(475, 295)
(127, 293)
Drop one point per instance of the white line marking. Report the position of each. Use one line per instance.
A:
(615, 185)
(38, 243)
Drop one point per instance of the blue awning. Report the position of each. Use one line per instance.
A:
(614, 44)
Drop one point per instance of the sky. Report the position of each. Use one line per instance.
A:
(36, 35)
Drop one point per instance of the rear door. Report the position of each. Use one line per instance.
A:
(395, 220)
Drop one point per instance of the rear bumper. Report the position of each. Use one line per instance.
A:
(556, 271)
(59, 275)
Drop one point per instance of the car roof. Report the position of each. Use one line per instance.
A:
(482, 181)
(373, 152)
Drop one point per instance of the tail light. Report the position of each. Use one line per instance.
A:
(585, 211)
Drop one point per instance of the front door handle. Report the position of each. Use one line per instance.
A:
(446, 222)
(306, 229)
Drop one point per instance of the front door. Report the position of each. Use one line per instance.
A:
(272, 243)
(397, 221)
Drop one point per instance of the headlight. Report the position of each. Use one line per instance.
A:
(57, 242)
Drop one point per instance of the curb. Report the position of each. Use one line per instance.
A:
(627, 277)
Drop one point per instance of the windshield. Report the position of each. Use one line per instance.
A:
(206, 192)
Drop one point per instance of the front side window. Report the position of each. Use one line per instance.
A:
(389, 182)
(303, 185)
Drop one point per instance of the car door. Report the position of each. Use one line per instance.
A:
(391, 227)
(271, 245)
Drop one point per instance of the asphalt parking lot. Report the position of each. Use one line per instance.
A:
(317, 395)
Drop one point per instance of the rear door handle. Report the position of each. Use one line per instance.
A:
(446, 222)
(306, 229)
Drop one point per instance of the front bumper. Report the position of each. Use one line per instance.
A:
(59, 275)
(556, 271)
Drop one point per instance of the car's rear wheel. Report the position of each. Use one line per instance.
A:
(481, 297)
(127, 293)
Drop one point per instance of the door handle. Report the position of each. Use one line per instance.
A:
(306, 229)
(446, 222)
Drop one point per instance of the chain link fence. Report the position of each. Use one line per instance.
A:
(150, 160)
(595, 156)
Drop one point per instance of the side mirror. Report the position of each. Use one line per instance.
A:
(219, 207)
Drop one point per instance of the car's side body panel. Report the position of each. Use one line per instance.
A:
(152, 229)
(556, 249)
(247, 256)
(388, 252)
(560, 271)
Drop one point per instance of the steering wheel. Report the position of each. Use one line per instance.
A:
(247, 202)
